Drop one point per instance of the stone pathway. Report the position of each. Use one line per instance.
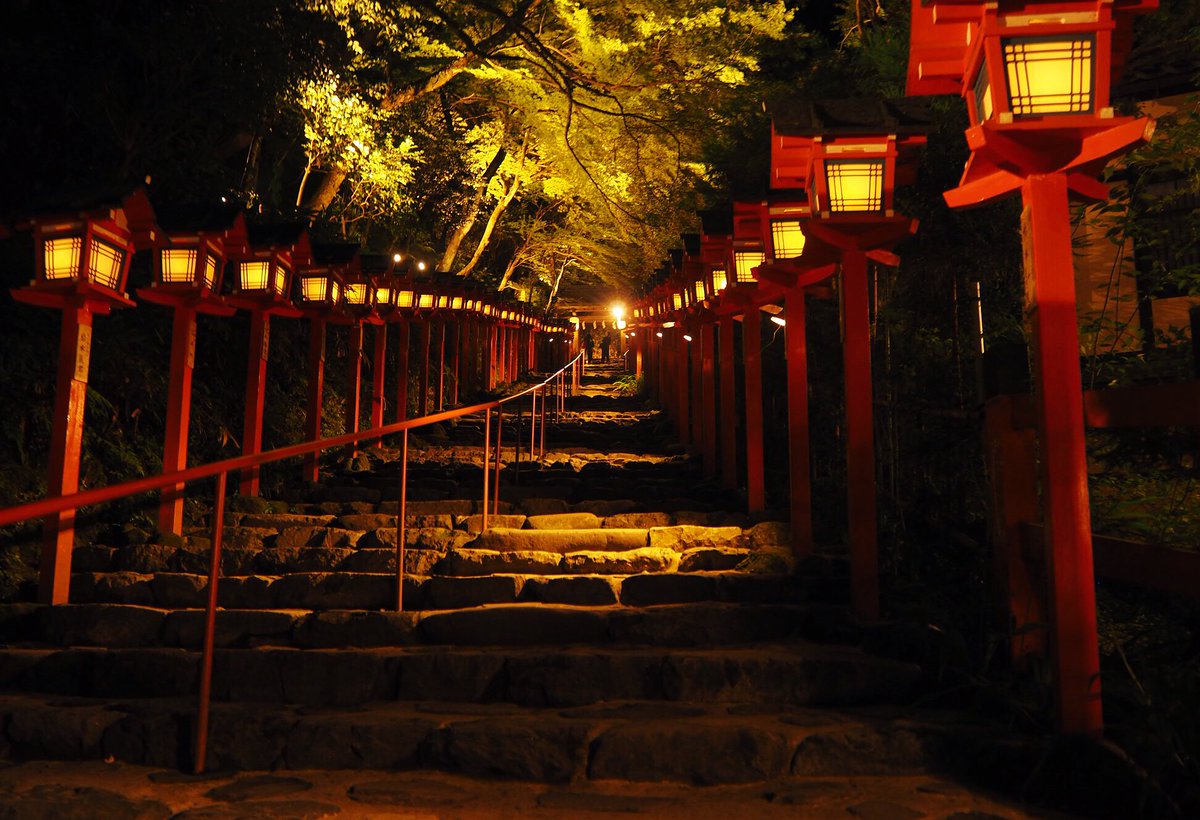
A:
(624, 639)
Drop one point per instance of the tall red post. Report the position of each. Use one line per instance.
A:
(728, 402)
(354, 378)
(70, 395)
(799, 470)
(491, 356)
(708, 399)
(756, 500)
(455, 355)
(256, 388)
(441, 366)
(423, 365)
(378, 368)
(316, 390)
(683, 386)
(403, 343)
(179, 407)
(860, 436)
(1045, 222)
(696, 399)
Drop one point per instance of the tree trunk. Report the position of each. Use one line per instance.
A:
(501, 204)
(460, 233)
(324, 194)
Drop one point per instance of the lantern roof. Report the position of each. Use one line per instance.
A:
(850, 115)
(943, 33)
(337, 254)
(691, 243)
(127, 207)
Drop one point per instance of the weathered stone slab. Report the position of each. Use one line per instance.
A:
(638, 520)
(372, 521)
(452, 506)
(628, 562)
(544, 506)
(248, 538)
(769, 534)
(349, 741)
(235, 627)
(60, 801)
(86, 558)
(515, 625)
(100, 625)
(59, 731)
(420, 539)
(564, 521)
(704, 624)
(687, 537)
(649, 590)
(561, 541)
(474, 523)
(456, 593)
(416, 562)
(178, 589)
(704, 755)
(769, 561)
(604, 508)
(464, 562)
(869, 750)
(341, 590)
(317, 537)
(582, 590)
(459, 676)
(144, 558)
(112, 587)
(245, 592)
(703, 559)
(527, 748)
(338, 628)
(280, 521)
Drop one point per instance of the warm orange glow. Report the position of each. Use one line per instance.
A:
(720, 279)
(356, 293)
(744, 263)
(210, 272)
(404, 299)
(178, 265)
(313, 288)
(253, 275)
(425, 300)
(279, 282)
(855, 185)
(105, 263)
(787, 238)
(62, 257)
(1049, 76)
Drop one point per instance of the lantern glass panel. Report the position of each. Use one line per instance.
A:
(787, 238)
(356, 293)
(426, 300)
(677, 298)
(443, 301)
(404, 299)
(62, 257)
(720, 280)
(279, 280)
(178, 265)
(699, 288)
(254, 275)
(456, 303)
(855, 185)
(313, 288)
(210, 271)
(983, 95)
(1049, 76)
(744, 263)
(104, 263)
(383, 296)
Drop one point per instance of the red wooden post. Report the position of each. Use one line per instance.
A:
(491, 356)
(354, 379)
(455, 355)
(639, 346)
(799, 469)
(441, 366)
(378, 367)
(708, 399)
(316, 390)
(860, 436)
(256, 387)
(404, 339)
(728, 409)
(696, 386)
(70, 395)
(423, 347)
(683, 392)
(752, 363)
(1045, 223)
(1011, 458)
(179, 406)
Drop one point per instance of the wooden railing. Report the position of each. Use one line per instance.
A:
(1017, 535)
(553, 389)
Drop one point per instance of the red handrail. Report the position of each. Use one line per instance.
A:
(220, 469)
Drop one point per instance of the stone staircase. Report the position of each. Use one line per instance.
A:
(620, 620)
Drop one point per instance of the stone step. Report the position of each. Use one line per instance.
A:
(696, 743)
(521, 624)
(790, 674)
(576, 579)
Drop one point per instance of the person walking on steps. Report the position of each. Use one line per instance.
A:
(586, 342)
(605, 343)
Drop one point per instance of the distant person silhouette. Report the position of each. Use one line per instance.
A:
(605, 343)
(586, 340)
